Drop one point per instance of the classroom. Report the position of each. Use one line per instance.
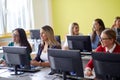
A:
(36, 27)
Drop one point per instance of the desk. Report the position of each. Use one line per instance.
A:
(41, 75)
(5, 74)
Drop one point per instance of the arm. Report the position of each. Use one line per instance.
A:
(89, 66)
(65, 45)
(2, 60)
(43, 64)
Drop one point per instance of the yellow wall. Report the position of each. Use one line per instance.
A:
(84, 12)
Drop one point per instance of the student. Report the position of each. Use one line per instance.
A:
(48, 41)
(19, 39)
(73, 30)
(98, 27)
(116, 22)
(108, 44)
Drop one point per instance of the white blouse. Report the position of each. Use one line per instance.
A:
(44, 56)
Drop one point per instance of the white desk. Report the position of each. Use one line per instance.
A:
(5, 74)
(41, 75)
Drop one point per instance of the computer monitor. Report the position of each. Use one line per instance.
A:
(57, 37)
(117, 30)
(16, 56)
(35, 34)
(106, 65)
(118, 38)
(82, 43)
(66, 61)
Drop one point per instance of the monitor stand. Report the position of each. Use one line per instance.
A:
(64, 76)
(16, 72)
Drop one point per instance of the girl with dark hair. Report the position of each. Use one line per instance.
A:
(98, 27)
(19, 39)
(116, 23)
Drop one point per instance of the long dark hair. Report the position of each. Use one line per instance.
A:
(23, 39)
(101, 23)
(116, 18)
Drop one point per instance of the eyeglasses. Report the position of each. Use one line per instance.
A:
(104, 39)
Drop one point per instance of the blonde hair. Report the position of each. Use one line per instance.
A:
(71, 26)
(50, 34)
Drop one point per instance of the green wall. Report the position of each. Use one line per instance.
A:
(84, 12)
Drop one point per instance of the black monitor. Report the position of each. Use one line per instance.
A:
(82, 43)
(16, 56)
(117, 30)
(35, 34)
(118, 38)
(57, 37)
(66, 61)
(106, 65)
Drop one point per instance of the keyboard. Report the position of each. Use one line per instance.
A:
(86, 53)
(32, 70)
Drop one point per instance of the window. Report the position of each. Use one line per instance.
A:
(15, 13)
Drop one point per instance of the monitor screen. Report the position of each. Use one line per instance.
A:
(16, 56)
(117, 30)
(66, 61)
(57, 37)
(106, 65)
(35, 34)
(118, 38)
(82, 43)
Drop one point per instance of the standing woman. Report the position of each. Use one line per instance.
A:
(48, 41)
(73, 31)
(19, 38)
(98, 27)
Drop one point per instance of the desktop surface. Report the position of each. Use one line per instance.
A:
(5, 74)
(32, 69)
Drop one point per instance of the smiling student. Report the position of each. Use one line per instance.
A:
(108, 44)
